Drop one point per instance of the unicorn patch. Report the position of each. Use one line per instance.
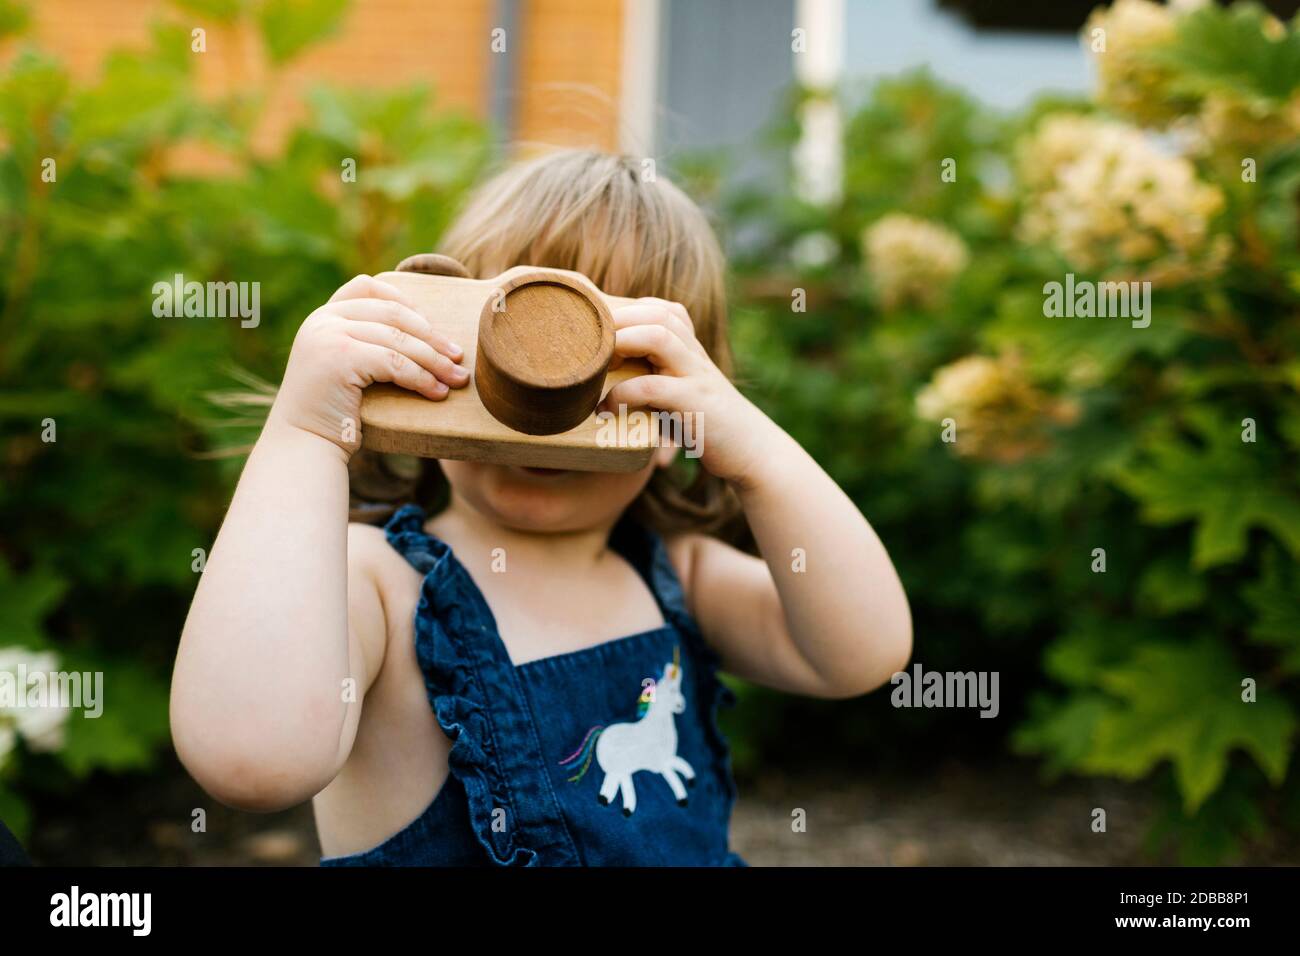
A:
(648, 743)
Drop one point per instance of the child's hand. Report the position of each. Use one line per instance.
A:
(367, 332)
(735, 437)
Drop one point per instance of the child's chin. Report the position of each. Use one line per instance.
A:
(543, 500)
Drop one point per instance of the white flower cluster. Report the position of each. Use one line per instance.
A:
(912, 261)
(41, 728)
(1110, 202)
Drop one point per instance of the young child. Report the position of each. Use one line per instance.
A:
(529, 675)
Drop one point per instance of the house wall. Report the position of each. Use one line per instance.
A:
(653, 77)
(569, 81)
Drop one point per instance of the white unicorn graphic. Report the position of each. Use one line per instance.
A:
(649, 743)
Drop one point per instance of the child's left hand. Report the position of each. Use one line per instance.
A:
(769, 622)
(735, 436)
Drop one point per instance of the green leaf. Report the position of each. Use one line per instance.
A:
(31, 90)
(1183, 703)
(1062, 346)
(1061, 731)
(131, 726)
(13, 18)
(1289, 421)
(1226, 486)
(141, 96)
(221, 11)
(1093, 646)
(1169, 586)
(290, 26)
(1213, 834)
(27, 600)
(1218, 48)
(1275, 599)
(15, 813)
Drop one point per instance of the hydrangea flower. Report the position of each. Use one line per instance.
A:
(41, 728)
(912, 261)
(1110, 202)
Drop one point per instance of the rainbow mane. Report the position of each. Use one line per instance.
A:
(647, 697)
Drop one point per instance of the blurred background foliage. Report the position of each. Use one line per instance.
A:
(100, 526)
(926, 303)
(923, 291)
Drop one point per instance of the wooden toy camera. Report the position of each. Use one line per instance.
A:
(538, 344)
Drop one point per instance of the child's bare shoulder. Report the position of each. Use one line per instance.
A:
(684, 552)
(378, 576)
(366, 542)
(370, 556)
(366, 547)
(681, 547)
(688, 547)
(703, 562)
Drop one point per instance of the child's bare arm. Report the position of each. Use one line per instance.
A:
(279, 622)
(838, 628)
(823, 612)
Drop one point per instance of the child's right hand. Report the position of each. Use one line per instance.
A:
(367, 332)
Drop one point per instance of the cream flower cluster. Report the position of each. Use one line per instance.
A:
(912, 261)
(1110, 202)
(1233, 124)
(999, 415)
(1127, 80)
(1132, 83)
(41, 728)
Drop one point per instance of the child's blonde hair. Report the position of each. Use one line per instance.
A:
(633, 236)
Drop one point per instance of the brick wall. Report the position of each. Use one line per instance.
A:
(381, 43)
(567, 74)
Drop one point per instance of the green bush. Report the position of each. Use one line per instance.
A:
(100, 525)
(926, 303)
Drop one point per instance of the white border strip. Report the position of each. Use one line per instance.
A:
(639, 82)
(818, 156)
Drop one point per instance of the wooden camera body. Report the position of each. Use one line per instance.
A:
(538, 344)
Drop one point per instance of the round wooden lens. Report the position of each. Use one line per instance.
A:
(544, 345)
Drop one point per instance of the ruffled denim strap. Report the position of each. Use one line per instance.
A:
(476, 696)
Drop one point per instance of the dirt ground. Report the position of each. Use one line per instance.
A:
(955, 815)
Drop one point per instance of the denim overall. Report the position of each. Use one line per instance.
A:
(606, 756)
